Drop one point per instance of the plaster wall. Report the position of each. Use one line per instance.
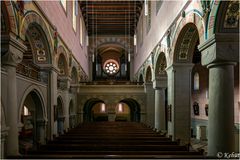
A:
(55, 13)
(159, 26)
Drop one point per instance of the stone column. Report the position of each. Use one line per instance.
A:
(41, 131)
(219, 53)
(179, 97)
(160, 118)
(60, 125)
(111, 111)
(10, 61)
(66, 110)
(160, 85)
(221, 108)
(150, 117)
(4, 134)
(53, 102)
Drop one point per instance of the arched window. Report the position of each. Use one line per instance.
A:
(74, 16)
(64, 4)
(81, 30)
(26, 111)
(103, 107)
(196, 81)
(120, 107)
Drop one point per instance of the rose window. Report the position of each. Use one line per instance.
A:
(111, 67)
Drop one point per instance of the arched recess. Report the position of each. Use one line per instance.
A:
(107, 41)
(87, 109)
(160, 66)
(224, 17)
(141, 79)
(135, 109)
(37, 53)
(148, 76)
(58, 115)
(74, 76)
(62, 65)
(185, 44)
(33, 17)
(227, 19)
(32, 116)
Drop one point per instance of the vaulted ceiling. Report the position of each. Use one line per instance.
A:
(111, 17)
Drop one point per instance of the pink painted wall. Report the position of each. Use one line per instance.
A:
(63, 21)
(160, 22)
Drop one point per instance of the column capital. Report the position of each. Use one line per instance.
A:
(42, 122)
(160, 83)
(14, 49)
(220, 47)
(148, 86)
(177, 66)
(215, 64)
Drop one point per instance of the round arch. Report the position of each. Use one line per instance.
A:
(185, 44)
(148, 75)
(37, 44)
(227, 17)
(88, 105)
(62, 64)
(160, 66)
(140, 79)
(107, 41)
(135, 109)
(198, 22)
(74, 75)
(33, 17)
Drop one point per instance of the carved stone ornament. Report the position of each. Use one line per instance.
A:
(15, 52)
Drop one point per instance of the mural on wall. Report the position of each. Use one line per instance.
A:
(55, 37)
(185, 45)
(162, 66)
(232, 16)
(37, 43)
